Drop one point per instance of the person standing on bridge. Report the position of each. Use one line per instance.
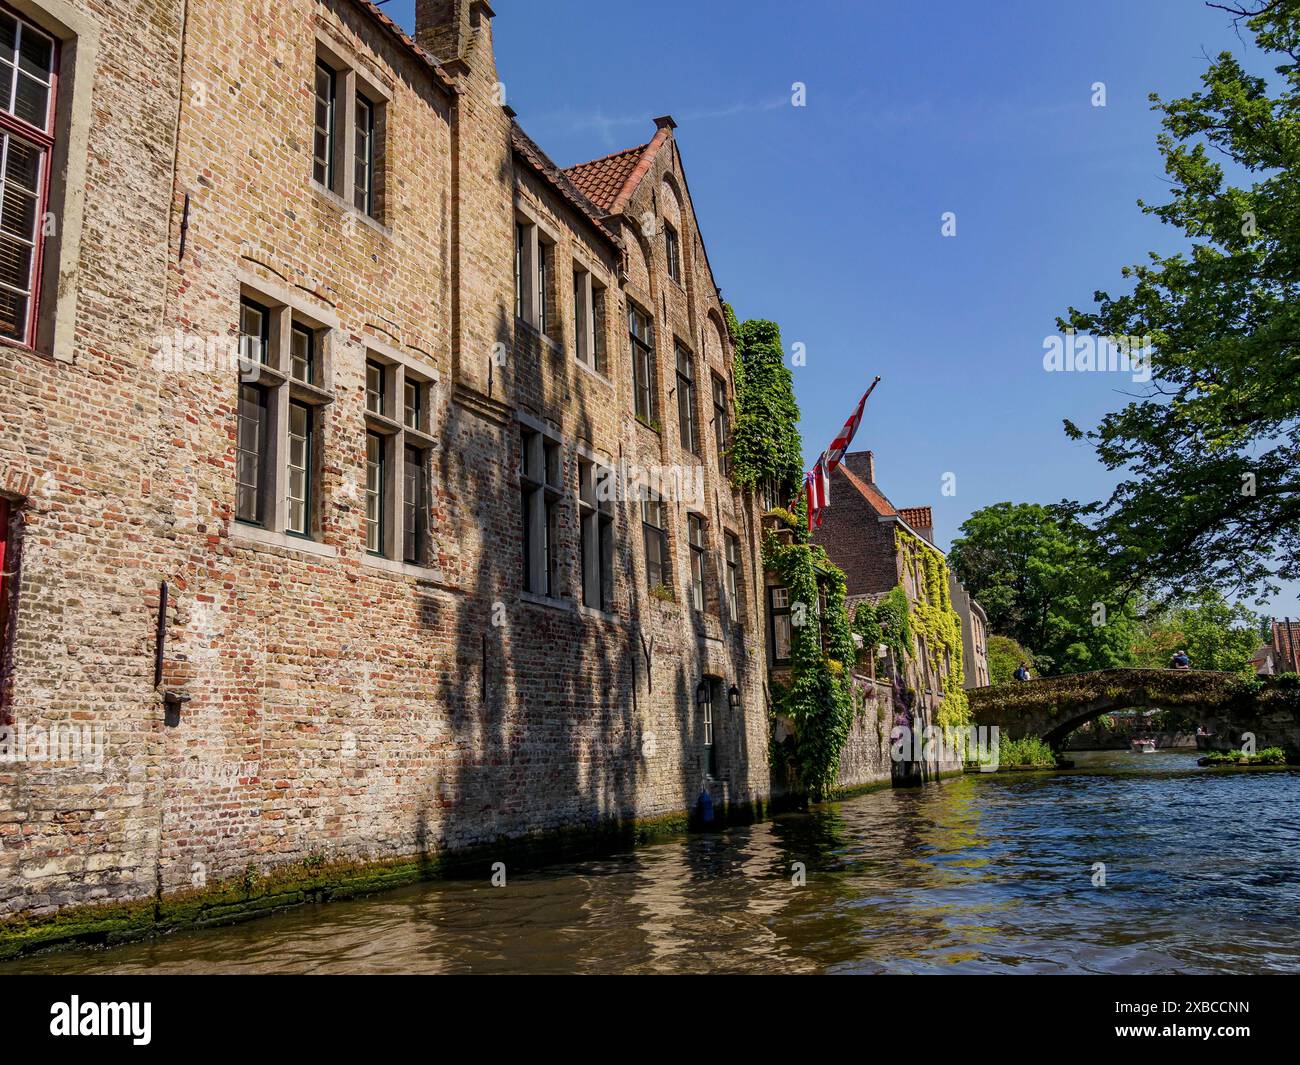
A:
(1180, 660)
(1022, 672)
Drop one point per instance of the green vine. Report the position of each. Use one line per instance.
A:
(889, 622)
(819, 695)
(765, 444)
(767, 453)
(934, 619)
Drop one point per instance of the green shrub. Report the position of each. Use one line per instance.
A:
(1267, 756)
(1004, 656)
(1030, 750)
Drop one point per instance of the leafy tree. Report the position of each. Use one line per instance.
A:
(1215, 634)
(1041, 578)
(1210, 449)
(1005, 655)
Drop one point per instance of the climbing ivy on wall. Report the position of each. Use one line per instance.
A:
(889, 622)
(765, 443)
(934, 619)
(819, 695)
(767, 450)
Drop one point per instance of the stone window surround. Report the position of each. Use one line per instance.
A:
(595, 278)
(722, 428)
(545, 432)
(681, 347)
(423, 438)
(733, 602)
(605, 511)
(351, 77)
(539, 231)
(672, 252)
(604, 461)
(651, 387)
(698, 554)
(286, 309)
(79, 43)
(676, 220)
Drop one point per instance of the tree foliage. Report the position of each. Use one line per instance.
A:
(1215, 634)
(818, 697)
(1042, 579)
(1210, 449)
(889, 622)
(767, 452)
(1004, 656)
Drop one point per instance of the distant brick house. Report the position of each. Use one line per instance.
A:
(859, 532)
(1282, 653)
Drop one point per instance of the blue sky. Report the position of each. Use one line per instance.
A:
(827, 218)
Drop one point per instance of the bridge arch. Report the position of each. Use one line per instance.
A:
(1227, 703)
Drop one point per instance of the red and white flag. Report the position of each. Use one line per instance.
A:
(817, 481)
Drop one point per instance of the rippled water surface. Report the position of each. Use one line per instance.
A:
(977, 874)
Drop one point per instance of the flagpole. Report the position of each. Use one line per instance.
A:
(822, 457)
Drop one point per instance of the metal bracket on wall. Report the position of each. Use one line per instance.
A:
(648, 650)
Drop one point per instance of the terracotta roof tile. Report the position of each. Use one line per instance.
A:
(917, 517)
(1286, 638)
(601, 180)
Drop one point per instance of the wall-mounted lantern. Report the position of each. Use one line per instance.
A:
(733, 697)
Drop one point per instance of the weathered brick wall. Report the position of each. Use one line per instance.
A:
(339, 708)
(865, 759)
(690, 312)
(858, 542)
(79, 440)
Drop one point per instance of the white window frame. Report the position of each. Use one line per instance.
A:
(351, 80)
(273, 377)
(391, 426)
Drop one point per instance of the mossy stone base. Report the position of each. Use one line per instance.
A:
(294, 884)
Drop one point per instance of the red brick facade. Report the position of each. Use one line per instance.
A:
(859, 533)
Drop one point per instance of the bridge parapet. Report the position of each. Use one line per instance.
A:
(1053, 707)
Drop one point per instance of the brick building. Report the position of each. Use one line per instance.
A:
(343, 362)
(1282, 653)
(860, 534)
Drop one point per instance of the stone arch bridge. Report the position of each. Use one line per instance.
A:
(1227, 704)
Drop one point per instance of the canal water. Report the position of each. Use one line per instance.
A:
(978, 874)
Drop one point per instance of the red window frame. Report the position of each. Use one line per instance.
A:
(43, 139)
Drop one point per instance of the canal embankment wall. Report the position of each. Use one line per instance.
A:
(867, 759)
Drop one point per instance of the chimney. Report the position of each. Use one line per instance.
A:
(457, 32)
(863, 463)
